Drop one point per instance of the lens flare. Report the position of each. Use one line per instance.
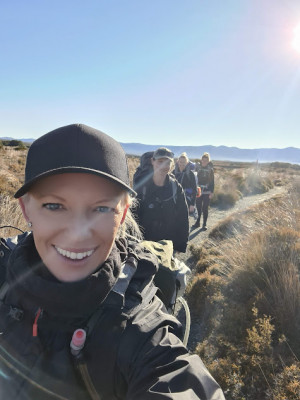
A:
(296, 40)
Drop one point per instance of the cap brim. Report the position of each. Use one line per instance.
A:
(25, 188)
(160, 157)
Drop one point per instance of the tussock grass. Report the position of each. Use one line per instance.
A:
(10, 214)
(233, 184)
(12, 164)
(247, 298)
(229, 226)
(133, 163)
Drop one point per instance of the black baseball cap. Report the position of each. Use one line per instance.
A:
(76, 148)
(163, 152)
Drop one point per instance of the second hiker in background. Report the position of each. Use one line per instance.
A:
(162, 211)
(205, 175)
(186, 177)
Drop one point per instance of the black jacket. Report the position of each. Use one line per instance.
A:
(187, 180)
(132, 351)
(205, 177)
(162, 213)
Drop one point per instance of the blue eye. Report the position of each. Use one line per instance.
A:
(104, 209)
(52, 206)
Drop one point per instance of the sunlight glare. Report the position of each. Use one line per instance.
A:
(296, 40)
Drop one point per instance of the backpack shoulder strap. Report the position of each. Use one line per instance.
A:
(110, 321)
(3, 290)
(144, 191)
(174, 189)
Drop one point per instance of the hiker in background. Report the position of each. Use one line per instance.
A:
(79, 318)
(205, 175)
(187, 179)
(162, 211)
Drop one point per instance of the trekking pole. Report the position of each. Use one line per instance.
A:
(187, 320)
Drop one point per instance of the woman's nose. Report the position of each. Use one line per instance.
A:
(81, 228)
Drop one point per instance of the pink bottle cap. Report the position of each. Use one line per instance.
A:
(78, 338)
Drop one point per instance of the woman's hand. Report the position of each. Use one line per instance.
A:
(211, 195)
(192, 208)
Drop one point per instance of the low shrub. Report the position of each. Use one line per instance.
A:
(228, 227)
(21, 146)
(198, 252)
(225, 200)
(203, 290)
(286, 384)
(13, 143)
(257, 183)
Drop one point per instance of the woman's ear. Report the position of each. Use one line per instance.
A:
(124, 213)
(22, 202)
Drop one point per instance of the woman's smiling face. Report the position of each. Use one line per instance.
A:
(75, 219)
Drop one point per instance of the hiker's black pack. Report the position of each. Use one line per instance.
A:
(144, 171)
(205, 177)
(162, 212)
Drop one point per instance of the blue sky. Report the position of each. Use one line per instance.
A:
(170, 72)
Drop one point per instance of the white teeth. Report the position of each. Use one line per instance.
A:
(72, 255)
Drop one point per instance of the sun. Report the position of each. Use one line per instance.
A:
(296, 40)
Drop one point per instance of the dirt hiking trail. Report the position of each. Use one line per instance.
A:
(215, 216)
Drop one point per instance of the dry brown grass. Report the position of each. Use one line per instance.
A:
(232, 184)
(248, 299)
(12, 163)
(10, 214)
(133, 163)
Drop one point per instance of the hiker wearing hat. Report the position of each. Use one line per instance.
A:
(162, 211)
(79, 318)
(186, 177)
(206, 180)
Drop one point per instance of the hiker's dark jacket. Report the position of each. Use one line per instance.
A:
(205, 177)
(187, 180)
(163, 215)
(133, 358)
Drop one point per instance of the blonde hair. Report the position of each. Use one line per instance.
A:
(184, 155)
(129, 228)
(206, 155)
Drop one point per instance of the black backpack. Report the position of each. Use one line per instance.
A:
(204, 175)
(144, 171)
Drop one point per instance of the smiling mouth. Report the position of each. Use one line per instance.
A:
(73, 255)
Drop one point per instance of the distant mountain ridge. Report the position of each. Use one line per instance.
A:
(288, 154)
(22, 140)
